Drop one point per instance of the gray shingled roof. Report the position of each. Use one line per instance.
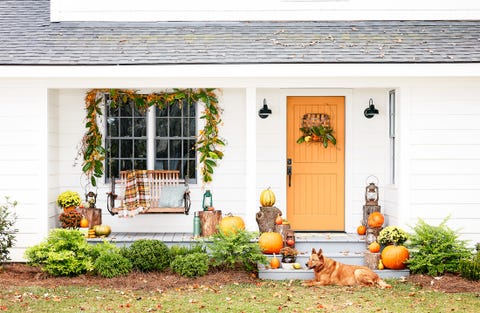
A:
(27, 37)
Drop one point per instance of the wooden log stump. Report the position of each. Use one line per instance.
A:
(282, 229)
(371, 260)
(266, 218)
(367, 210)
(209, 221)
(93, 215)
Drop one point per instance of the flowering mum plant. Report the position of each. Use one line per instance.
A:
(69, 198)
(392, 235)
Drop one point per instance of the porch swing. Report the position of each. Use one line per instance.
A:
(153, 191)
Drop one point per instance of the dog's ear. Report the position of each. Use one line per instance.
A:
(313, 251)
(319, 252)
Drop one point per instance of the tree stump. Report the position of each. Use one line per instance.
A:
(93, 215)
(266, 218)
(367, 210)
(371, 260)
(209, 221)
(282, 229)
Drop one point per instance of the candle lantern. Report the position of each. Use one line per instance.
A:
(371, 194)
(207, 202)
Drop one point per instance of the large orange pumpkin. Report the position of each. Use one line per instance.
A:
(270, 242)
(267, 198)
(393, 257)
(376, 220)
(231, 224)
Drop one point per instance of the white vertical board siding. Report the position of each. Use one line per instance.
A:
(445, 154)
(23, 131)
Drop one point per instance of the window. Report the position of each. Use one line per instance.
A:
(391, 134)
(157, 139)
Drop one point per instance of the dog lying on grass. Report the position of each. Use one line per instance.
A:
(331, 272)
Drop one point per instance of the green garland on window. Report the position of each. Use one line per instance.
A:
(209, 144)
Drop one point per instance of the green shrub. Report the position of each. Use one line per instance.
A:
(470, 268)
(65, 252)
(191, 265)
(105, 247)
(112, 264)
(236, 249)
(435, 250)
(7, 230)
(177, 250)
(148, 255)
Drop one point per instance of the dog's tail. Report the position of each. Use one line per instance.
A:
(383, 284)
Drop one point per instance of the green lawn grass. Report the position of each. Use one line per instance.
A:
(266, 296)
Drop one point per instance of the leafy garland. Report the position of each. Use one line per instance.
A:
(208, 140)
(317, 133)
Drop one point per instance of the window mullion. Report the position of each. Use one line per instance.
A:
(151, 138)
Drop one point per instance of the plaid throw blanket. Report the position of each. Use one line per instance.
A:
(137, 192)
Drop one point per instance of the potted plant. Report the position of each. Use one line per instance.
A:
(69, 200)
(289, 255)
(392, 235)
(70, 219)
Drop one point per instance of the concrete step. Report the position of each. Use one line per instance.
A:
(306, 274)
(344, 248)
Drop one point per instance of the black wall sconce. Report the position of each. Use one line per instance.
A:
(371, 111)
(265, 111)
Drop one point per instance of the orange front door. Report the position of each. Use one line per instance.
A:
(315, 184)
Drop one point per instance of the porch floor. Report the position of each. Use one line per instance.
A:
(186, 238)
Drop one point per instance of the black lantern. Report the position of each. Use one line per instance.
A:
(371, 111)
(265, 111)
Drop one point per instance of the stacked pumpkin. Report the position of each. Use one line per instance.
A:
(271, 242)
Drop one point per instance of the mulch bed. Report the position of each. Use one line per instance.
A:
(20, 274)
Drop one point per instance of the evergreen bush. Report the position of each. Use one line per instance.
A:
(112, 264)
(7, 230)
(191, 265)
(470, 268)
(435, 250)
(148, 255)
(65, 252)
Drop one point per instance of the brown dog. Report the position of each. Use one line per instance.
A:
(331, 272)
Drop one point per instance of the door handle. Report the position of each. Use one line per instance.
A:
(289, 172)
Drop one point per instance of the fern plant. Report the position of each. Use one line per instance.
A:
(236, 249)
(7, 230)
(435, 250)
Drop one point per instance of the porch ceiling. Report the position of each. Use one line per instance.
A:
(29, 38)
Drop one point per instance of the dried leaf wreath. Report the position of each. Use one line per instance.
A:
(209, 144)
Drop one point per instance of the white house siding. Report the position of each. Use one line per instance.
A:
(444, 154)
(23, 159)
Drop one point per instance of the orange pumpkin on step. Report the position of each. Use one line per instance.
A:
(376, 220)
(393, 257)
(270, 242)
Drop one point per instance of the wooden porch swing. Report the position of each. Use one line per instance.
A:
(168, 193)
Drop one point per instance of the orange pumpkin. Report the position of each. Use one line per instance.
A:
(267, 198)
(231, 224)
(270, 242)
(84, 222)
(376, 220)
(274, 262)
(393, 257)
(374, 247)
(361, 230)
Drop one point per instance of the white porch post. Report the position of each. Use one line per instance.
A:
(250, 157)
